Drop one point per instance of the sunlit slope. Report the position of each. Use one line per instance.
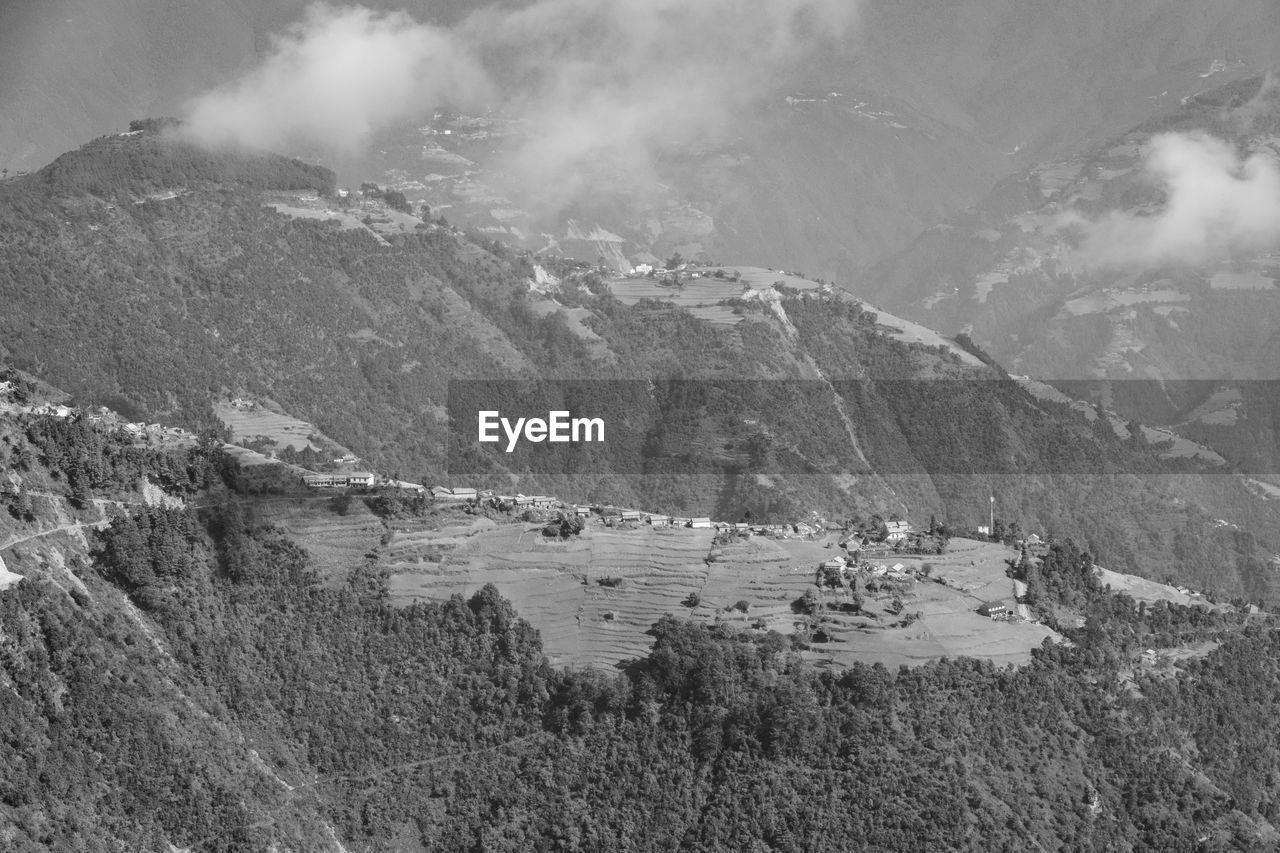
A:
(593, 598)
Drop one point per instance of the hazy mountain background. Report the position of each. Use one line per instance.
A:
(936, 102)
(149, 275)
(1142, 269)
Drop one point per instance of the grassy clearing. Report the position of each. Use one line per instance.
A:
(1149, 591)
(694, 293)
(556, 585)
(593, 598)
(346, 220)
(717, 315)
(282, 429)
(759, 278)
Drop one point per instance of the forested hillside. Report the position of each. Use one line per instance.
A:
(180, 678)
(155, 278)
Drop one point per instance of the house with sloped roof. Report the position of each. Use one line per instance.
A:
(898, 530)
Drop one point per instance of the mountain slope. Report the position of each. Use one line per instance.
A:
(160, 280)
(943, 99)
(182, 680)
(1169, 334)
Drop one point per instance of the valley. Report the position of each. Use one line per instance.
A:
(932, 494)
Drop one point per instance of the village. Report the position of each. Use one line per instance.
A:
(593, 577)
(873, 558)
(866, 558)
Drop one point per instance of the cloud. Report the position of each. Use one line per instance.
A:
(1216, 204)
(334, 78)
(602, 87)
(612, 86)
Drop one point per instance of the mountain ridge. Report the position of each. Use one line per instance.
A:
(1155, 339)
(160, 308)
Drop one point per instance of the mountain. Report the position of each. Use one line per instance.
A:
(204, 655)
(821, 180)
(164, 281)
(844, 161)
(177, 673)
(1185, 341)
(838, 162)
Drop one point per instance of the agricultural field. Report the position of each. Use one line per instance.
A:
(382, 219)
(263, 420)
(594, 597)
(703, 296)
(1106, 300)
(940, 611)
(707, 289)
(913, 333)
(247, 458)
(691, 294)
(1180, 447)
(717, 315)
(1149, 591)
(759, 278)
(345, 220)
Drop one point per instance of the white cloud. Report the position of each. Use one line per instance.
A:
(1217, 203)
(601, 85)
(334, 78)
(613, 85)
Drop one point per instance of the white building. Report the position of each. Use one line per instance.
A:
(898, 530)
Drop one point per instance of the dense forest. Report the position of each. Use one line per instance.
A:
(203, 689)
(176, 673)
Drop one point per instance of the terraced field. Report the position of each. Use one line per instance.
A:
(692, 294)
(556, 585)
(594, 597)
(757, 571)
(702, 297)
(1150, 591)
(760, 278)
(717, 315)
(281, 429)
